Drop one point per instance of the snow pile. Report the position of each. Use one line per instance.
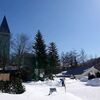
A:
(94, 82)
(55, 82)
(84, 79)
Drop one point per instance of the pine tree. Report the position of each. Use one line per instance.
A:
(39, 49)
(53, 58)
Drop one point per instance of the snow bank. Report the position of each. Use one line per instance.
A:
(55, 82)
(94, 82)
(84, 79)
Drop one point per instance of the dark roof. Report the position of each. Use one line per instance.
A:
(97, 67)
(76, 70)
(4, 26)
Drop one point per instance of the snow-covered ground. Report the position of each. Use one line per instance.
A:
(75, 90)
(85, 90)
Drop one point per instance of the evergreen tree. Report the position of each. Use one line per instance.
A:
(39, 49)
(53, 58)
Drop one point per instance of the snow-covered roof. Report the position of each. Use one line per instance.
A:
(89, 70)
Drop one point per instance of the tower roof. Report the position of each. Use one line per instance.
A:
(4, 26)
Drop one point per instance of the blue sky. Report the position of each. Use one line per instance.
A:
(71, 24)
